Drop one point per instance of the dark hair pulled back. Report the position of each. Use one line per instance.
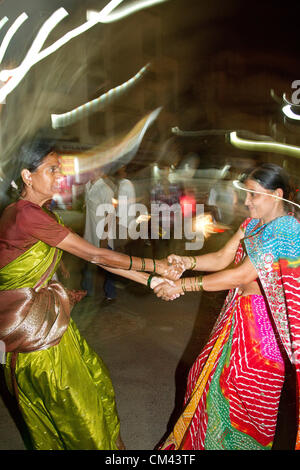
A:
(271, 176)
(30, 157)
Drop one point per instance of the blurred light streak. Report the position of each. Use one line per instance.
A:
(76, 170)
(143, 218)
(225, 170)
(48, 26)
(10, 33)
(125, 11)
(108, 9)
(95, 17)
(217, 132)
(66, 119)
(275, 97)
(287, 110)
(108, 154)
(80, 29)
(34, 54)
(3, 21)
(155, 171)
(237, 184)
(204, 224)
(205, 132)
(263, 146)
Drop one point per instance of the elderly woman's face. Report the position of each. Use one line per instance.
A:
(45, 180)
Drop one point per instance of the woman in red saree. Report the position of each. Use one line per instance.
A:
(234, 386)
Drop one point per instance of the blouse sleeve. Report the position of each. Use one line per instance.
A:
(36, 223)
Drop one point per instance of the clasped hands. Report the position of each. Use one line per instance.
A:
(168, 287)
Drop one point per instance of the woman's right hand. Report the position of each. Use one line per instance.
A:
(168, 291)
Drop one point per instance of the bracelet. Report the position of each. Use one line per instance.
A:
(193, 262)
(130, 265)
(196, 284)
(149, 280)
(143, 264)
(154, 266)
(200, 283)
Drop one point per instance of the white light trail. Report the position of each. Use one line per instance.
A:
(125, 11)
(238, 185)
(263, 146)
(109, 8)
(34, 54)
(62, 120)
(287, 110)
(3, 21)
(10, 33)
(126, 146)
(79, 30)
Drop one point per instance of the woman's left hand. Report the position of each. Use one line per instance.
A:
(156, 281)
(75, 296)
(64, 271)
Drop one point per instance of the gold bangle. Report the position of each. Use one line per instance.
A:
(193, 262)
(183, 284)
(200, 283)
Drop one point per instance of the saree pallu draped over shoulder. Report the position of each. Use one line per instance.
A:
(234, 386)
(275, 252)
(34, 311)
(63, 388)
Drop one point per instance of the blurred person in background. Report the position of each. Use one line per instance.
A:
(99, 190)
(165, 195)
(126, 199)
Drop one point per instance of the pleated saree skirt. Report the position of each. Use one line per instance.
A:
(66, 396)
(234, 386)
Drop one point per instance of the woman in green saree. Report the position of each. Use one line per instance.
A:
(62, 387)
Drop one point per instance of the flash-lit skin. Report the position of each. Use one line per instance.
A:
(264, 207)
(42, 184)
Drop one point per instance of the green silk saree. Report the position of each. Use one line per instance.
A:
(62, 387)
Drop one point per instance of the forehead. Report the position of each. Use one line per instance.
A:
(52, 159)
(255, 186)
